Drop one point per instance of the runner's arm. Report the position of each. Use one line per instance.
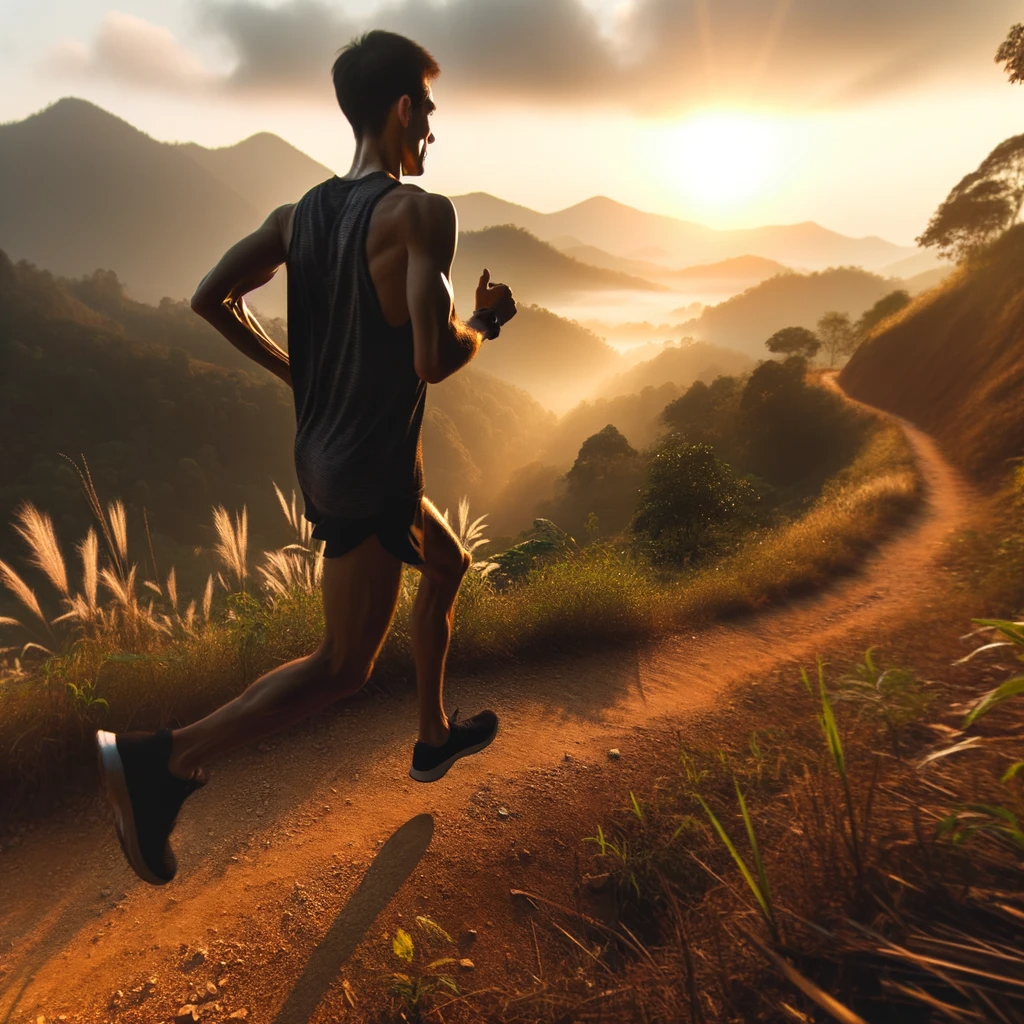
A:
(220, 296)
(442, 343)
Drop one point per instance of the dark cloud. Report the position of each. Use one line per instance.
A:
(663, 56)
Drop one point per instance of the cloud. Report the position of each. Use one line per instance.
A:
(662, 56)
(134, 51)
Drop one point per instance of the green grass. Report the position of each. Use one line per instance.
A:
(128, 664)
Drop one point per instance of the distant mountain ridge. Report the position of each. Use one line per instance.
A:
(81, 189)
(623, 230)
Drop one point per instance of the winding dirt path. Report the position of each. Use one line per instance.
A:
(294, 850)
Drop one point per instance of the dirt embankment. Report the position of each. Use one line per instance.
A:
(301, 853)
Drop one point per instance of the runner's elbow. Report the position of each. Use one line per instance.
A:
(429, 371)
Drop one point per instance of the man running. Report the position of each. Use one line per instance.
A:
(371, 321)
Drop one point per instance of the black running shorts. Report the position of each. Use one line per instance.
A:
(398, 526)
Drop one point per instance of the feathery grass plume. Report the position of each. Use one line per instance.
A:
(89, 549)
(208, 598)
(36, 529)
(470, 534)
(22, 591)
(172, 590)
(96, 507)
(119, 528)
(301, 526)
(190, 615)
(232, 542)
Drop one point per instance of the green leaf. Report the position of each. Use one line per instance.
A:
(1011, 688)
(740, 863)
(637, 809)
(402, 945)
(1012, 771)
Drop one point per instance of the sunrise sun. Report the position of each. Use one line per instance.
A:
(725, 157)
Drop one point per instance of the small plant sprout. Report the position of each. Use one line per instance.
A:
(758, 886)
(412, 985)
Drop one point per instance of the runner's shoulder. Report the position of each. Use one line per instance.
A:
(424, 214)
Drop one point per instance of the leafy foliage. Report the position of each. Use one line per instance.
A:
(982, 206)
(689, 492)
(794, 341)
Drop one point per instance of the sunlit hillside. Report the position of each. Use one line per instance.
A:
(953, 362)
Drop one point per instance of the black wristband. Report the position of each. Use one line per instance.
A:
(487, 317)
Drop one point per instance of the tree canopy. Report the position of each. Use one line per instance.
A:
(836, 333)
(1011, 54)
(885, 307)
(794, 341)
(982, 205)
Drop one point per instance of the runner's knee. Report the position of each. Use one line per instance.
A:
(343, 672)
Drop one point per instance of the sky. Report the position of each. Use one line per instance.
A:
(733, 113)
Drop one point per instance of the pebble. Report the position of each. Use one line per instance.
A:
(502, 812)
(613, 754)
(466, 964)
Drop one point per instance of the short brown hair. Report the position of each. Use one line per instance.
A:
(374, 71)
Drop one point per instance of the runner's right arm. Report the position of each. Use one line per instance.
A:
(248, 264)
(442, 343)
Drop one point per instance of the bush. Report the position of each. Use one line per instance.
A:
(689, 493)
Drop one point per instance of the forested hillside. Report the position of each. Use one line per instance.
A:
(85, 372)
(747, 320)
(953, 362)
(537, 271)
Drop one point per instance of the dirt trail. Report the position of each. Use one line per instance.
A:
(297, 826)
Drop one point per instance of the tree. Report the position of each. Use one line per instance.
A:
(836, 333)
(887, 306)
(689, 492)
(982, 206)
(1011, 54)
(794, 341)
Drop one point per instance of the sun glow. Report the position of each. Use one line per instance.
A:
(724, 159)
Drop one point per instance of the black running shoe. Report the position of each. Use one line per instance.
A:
(145, 798)
(430, 763)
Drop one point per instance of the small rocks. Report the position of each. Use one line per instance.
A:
(466, 964)
(211, 988)
(502, 812)
(197, 959)
(239, 1014)
(524, 856)
(567, 756)
(187, 1013)
(613, 754)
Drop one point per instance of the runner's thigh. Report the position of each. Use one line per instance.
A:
(360, 590)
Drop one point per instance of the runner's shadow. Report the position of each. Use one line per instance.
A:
(394, 863)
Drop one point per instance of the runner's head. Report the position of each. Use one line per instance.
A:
(382, 81)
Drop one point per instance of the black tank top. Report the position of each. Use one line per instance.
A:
(358, 399)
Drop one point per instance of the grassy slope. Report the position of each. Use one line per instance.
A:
(599, 593)
(953, 363)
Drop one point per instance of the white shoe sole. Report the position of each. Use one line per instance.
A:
(433, 774)
(112, 772)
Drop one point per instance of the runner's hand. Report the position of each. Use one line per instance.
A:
(495, 296)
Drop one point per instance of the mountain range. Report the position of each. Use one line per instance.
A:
(620, 229)
(81, 189)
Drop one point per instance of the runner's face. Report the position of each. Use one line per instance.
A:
(418, 136)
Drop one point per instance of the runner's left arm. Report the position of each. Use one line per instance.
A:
(248, 264)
